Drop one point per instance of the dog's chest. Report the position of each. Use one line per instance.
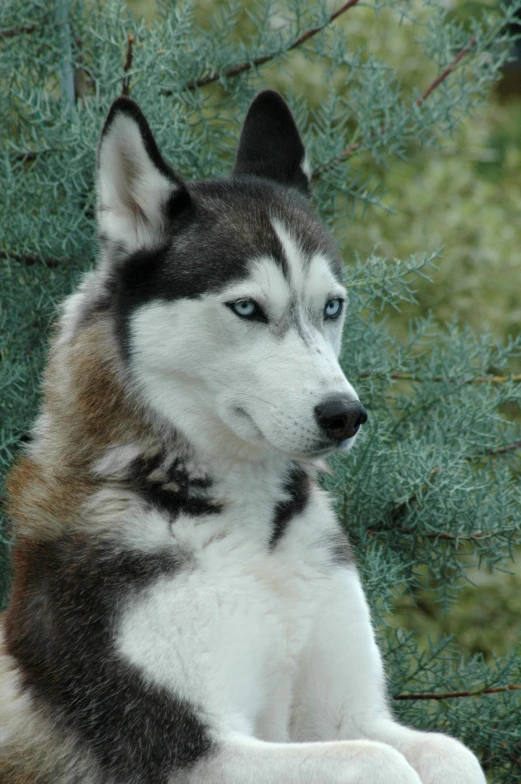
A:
(228, 630)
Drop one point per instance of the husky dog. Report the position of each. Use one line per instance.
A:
(185, 607)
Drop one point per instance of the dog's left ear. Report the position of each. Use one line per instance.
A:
(270, 145)
(139, 195)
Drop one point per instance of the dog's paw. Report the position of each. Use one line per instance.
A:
(440, 759)
(381, 764)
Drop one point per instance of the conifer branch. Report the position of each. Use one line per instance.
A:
(448, 70)
(500, 450)
(401, 509)
(397, 376)
(125, 83)
(30, 260)
(235, 70)
(355, 146)
(480, 535)
(450, 695)
(17, 31)
(26, 157)
(32, 155)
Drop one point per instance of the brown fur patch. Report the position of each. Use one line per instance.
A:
(86, 409)
(45, 499)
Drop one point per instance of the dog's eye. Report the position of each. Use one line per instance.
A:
(247, 309)
(333, 308)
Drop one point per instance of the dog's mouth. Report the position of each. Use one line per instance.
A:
(244, 415)
(320, 449)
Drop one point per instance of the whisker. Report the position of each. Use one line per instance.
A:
(255, 397)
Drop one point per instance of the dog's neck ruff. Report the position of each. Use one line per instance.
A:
(171, 477)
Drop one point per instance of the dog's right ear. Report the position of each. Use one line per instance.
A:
(139, 195)
(270, 145)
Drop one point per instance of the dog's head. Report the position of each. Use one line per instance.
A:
(227, 295)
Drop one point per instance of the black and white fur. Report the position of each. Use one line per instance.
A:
(201, 618)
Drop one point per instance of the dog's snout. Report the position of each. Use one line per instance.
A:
(340, 418)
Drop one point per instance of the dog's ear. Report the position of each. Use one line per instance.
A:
(139, 195)
(270, 145)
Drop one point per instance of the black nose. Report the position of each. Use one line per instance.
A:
(340, 418)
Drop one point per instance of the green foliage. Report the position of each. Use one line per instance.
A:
(430, 495)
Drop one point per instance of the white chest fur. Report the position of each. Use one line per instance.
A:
(226, 632)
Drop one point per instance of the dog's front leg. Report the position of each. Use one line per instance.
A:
(239, 759)
(341, 691)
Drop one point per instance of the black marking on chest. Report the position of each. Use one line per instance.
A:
(170, 487)
(296, 489)
(61, 630)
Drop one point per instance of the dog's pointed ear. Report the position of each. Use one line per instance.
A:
(270, 145)
(139, 195)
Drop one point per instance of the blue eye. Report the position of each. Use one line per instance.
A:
(244, 307)
(333, 308)
(247, 309)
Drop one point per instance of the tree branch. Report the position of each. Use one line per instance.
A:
(444, 535)
(30, 260)
(17, 31)
(235, 70)
(450, 695)
(452, 379)
(355, 146)
(26, 157)
(448, 70)
(125, 82)
(500, 450)
(401, 509)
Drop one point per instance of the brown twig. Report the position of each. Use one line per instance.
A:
(443, 534)
(450, 695)
(125, 83)
(344, 156)
(451, 379)
(235, 70)
(355, 146)
(82, 81)
(17, 31)
(448, 70)
(500, 450)
(30, 260)
(32, 155)
(401, 509)
(26, 157)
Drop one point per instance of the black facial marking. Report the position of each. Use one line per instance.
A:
(297, 487)
(213, 244)
(62, 634)
(171, 488)
(178, 203)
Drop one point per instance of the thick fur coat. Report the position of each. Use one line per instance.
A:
(185, 605)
